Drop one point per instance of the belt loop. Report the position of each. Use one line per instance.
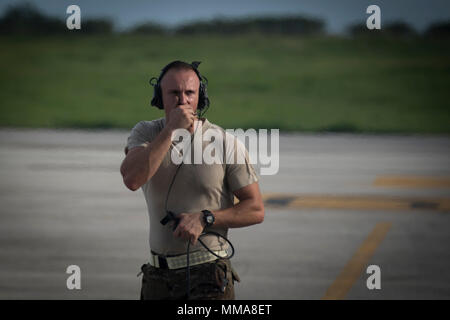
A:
(156, 261)
(162, 262)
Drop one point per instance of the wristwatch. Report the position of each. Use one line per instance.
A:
(208, 217)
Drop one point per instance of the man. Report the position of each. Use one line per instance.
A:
(200, 195)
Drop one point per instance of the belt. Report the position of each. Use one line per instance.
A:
(179, 261)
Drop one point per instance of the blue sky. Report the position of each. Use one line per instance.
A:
(337, 13)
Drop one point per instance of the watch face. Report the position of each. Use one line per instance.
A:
(209, 219)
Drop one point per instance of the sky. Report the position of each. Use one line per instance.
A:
(337, 14)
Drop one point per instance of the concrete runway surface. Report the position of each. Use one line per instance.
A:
(338, 204)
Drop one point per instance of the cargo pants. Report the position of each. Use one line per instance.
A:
(208, 281)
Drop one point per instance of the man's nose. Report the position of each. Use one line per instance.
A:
(182, 99)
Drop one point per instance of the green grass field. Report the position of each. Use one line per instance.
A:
(291, 83)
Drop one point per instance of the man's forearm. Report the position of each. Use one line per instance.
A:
(249, 211)
(245, 213)
(141, 164)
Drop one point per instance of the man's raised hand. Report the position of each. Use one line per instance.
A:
(182, 116)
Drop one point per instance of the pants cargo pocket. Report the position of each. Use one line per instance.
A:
(154, 286)
(224, 279)
(212, 281)
(235, 275)
(143, 281)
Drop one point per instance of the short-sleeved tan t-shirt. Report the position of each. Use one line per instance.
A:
(196, 187)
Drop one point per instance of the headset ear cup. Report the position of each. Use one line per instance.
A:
(157, 99)
(203, 100)
(205, 97)
(154, 101)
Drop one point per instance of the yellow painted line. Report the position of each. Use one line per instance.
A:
(444, 205)
(357, 202)
(350, 202)
(411, 181)
(352, 271)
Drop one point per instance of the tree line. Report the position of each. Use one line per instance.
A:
(26, 19)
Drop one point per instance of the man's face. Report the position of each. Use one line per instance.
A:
(180, 87)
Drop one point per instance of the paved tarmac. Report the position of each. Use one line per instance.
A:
(338, 204)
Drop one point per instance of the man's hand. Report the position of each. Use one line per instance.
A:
(190, 227)
(182, 116)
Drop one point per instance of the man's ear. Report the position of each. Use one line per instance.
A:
(125, 150)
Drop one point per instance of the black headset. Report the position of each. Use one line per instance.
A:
(203, 100)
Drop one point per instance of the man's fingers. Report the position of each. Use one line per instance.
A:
(181, 231)
(189, 228)
(185, 107)
(185, 235)
(188, 112)
(176, 232)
